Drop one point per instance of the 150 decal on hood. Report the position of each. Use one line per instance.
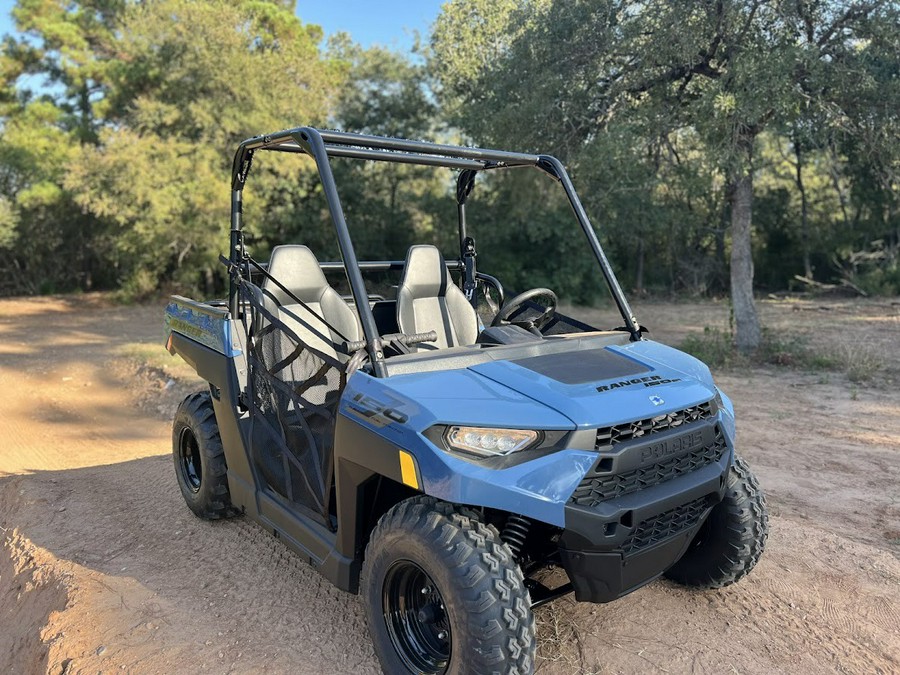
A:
(647, 381)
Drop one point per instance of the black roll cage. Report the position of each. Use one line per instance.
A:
(321, 144)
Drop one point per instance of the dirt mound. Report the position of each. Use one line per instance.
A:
(30, 593)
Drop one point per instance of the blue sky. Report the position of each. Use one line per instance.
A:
(390, 23)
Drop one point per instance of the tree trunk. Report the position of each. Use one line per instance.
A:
(747, 331)
(804, 211)
(639, 272)
(721, 273)
(834, 170)
(209, 281)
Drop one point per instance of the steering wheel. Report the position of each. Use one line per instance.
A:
(516, 303)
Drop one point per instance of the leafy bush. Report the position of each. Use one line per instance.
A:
(714, 347)
(792, 350)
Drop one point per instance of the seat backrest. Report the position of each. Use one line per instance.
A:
(427, 299)
(298, 270)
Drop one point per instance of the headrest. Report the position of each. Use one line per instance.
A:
(298, 270)
(425, 274)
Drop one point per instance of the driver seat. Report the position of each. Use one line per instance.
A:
(427, 299)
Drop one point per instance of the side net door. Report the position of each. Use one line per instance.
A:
(296, 375)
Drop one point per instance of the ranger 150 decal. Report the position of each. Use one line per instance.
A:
(647, 381)
(377, 412)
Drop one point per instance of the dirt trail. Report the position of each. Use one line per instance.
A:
(103, 568)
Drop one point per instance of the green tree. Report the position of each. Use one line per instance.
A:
(190, 81)
(565, 74)
(71, 45)
(63, 49)
(390, 205)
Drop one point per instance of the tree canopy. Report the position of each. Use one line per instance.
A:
(668, 109)
(722, 146)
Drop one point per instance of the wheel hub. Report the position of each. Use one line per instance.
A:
(189, 454)
(416, 619)
(431, 613)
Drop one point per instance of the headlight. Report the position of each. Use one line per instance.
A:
(720, 404)
(489, 442)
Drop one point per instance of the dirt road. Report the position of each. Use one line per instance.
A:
(103, 568)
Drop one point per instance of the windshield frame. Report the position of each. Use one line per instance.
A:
(321, 145)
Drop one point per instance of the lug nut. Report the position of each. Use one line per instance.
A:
(442, 635)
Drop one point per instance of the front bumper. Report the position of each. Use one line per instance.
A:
(638, 510)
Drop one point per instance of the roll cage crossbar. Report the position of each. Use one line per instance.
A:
(322, 144)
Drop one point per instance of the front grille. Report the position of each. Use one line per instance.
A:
(607, 437)
(666, 524)
(597, 486)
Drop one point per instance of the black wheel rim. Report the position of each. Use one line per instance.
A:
(416, 619)
(189, 454)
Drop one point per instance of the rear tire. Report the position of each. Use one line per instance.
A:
(731, 541)
(444, 594)
(200, 458)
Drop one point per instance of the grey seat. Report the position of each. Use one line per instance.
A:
(298, 270)
(427, 299)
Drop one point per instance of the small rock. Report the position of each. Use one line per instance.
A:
(67, 379)
(169, 384)
(61, 509)
(221, 655)
(100, 650)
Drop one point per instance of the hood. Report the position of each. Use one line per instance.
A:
(461, 396)
(610, 385)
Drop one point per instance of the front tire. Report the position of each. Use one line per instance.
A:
(200, 458)
(731, 541)
(444, 594)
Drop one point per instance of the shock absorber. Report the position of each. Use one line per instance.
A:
(514, 532)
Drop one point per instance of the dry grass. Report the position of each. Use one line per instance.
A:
(859, 360)
(560, 639)
(155, 357)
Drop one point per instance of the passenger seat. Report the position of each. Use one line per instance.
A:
(298, 270)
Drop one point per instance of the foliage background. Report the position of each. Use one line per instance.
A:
(118, 121)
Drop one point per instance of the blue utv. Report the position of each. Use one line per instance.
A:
(438, 460)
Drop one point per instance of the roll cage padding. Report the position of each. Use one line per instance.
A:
(427, 299)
